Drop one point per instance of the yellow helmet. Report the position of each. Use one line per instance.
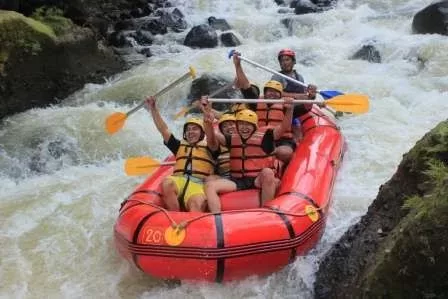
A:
(274, 85)
(226, 117)
(196, 121)
(247, 115)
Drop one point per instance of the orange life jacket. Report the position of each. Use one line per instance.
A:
(247, 158)
(223, 163)
(194, 160)
(272, 115)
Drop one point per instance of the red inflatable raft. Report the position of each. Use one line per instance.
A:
(244, 239)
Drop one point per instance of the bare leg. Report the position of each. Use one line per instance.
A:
(283, 153)
(268, 183)
(196, 203)
(213, 188)
(169, 194)
(212, 177)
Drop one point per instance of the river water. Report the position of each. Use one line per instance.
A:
(62, 178)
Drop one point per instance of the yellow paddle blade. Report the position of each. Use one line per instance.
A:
(115, 122)
(353, 103)
(140, 165)
(182, 112)
(192, 72)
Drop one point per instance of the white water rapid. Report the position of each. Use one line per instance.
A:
(62, 178)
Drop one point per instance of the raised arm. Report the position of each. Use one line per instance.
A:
(157, 118)
(214, 139)
(241, 80)
(287, 120)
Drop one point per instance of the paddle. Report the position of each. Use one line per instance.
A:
(185, 110)
(115, 121)
(353, 103)
(327, 94)
(142, 165)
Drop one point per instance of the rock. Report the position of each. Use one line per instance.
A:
(137, 12)
(311, 6)
(125, 25)
(305, 7)
(229, 39)
(9, 4)
(119, 39)
(145, 51)
(369, 53)
(172, 17)
(207, 84)
(410, 260)
(202, 36)
(40, 67)
(280, 2)
(432, 19)
(143, 37)
(218, 24)
(155, 26)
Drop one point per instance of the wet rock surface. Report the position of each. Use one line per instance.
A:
(399, 248)
(432, 19)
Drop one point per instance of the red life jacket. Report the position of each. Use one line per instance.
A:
(272, 115)
(247, 158)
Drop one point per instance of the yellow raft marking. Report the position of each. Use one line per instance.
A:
(312, 213)
(174, 235)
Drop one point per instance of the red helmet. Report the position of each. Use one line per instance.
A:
(287, 52)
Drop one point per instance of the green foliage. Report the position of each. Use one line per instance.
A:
(54, 18)
(437, 173)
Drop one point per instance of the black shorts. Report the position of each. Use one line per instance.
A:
(288, 142)
(244, 183)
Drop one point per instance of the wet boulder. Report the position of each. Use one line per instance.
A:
(173, 18)
(369, 53)
(280, 2)
(9, 4)
(229, 39)
(201, 36)
(311, 6)
(218, 24)
(143, 37)
(128, 24)
(154, 25)
(398, 249)
(209, 83)
(38, 66)
(432, 19)
(146, 51)
(305, 6)
(120, 39)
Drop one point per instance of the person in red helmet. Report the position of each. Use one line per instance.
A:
(287, 60)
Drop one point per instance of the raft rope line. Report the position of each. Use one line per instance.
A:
(219, 253)
(185, 223)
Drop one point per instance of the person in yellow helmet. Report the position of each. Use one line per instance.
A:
(270, 114)
(226, 126)
(251, 155)
(183, 191)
